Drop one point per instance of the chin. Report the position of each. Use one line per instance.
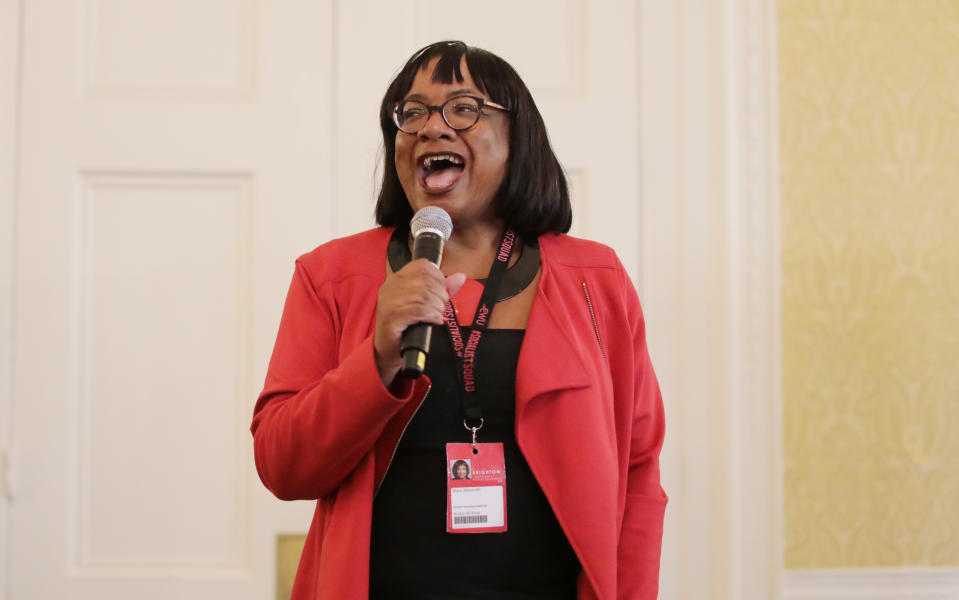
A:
(445, 201)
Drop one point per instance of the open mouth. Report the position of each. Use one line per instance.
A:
(440, 172)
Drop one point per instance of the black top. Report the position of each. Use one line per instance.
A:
(412, 556)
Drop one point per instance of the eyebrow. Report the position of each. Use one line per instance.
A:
(459, 92)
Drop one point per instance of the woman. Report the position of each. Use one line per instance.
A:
(461, 469)
(564, 386)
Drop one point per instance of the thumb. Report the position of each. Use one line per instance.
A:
(454, 282)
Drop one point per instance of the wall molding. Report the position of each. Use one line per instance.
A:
(710, 286)
(752, 200)
(871, 584)
(10, 50)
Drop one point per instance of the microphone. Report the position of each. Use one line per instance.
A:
(431, 227)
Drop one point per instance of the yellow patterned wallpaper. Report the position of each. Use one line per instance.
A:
(869, 101)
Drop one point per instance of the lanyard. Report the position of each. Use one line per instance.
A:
(466, 351)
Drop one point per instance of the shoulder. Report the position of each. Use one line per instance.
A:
(566, 250)
(570, 263)
(360, 254)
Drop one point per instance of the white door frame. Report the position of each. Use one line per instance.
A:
(710, 284)
(9, 111)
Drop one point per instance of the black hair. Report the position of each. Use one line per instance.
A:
(461, 463)
(533, 198)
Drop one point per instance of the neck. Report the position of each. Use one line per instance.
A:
(471, 249)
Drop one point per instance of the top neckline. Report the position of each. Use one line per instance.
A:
(515, 280)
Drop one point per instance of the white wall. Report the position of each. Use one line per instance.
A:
(690, 178)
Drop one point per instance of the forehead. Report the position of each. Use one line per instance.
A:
(425, 86)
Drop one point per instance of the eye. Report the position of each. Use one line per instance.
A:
(465, 106)
(412, 110)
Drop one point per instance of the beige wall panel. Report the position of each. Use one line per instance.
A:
(289, 548)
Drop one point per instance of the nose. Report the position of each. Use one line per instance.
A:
(435, 127)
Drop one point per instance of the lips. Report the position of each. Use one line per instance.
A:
(440, 171)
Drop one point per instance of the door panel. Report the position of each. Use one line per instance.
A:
(174, 160)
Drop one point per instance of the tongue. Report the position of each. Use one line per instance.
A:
(442, 179)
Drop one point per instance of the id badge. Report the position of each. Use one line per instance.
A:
(475, 488)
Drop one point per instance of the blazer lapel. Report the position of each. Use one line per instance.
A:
(548, 360)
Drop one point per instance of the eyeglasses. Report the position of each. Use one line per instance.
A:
(459, 112)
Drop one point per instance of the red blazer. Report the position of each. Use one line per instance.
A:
(589, 417)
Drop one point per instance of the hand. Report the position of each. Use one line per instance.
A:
(417, 293)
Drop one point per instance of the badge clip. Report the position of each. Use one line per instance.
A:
(473, 430)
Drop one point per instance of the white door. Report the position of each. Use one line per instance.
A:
(174, 159)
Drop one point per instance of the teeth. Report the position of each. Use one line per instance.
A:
(429, 160)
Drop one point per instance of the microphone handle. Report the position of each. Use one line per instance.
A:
(415, 345)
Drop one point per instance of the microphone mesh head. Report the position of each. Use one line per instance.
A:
(432, 219)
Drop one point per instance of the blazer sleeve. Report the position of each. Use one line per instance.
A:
(317, 417)
(640, 542)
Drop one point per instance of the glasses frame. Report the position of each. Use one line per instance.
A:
(440, 108)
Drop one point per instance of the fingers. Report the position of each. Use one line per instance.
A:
(422, 284)
(414, 294)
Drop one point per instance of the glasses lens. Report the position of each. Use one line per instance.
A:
(410, 116)
(461, 112)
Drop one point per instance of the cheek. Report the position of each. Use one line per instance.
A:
(499, 150)
(401, 159)
(499, 165)
(400, 150)
(493, 158)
